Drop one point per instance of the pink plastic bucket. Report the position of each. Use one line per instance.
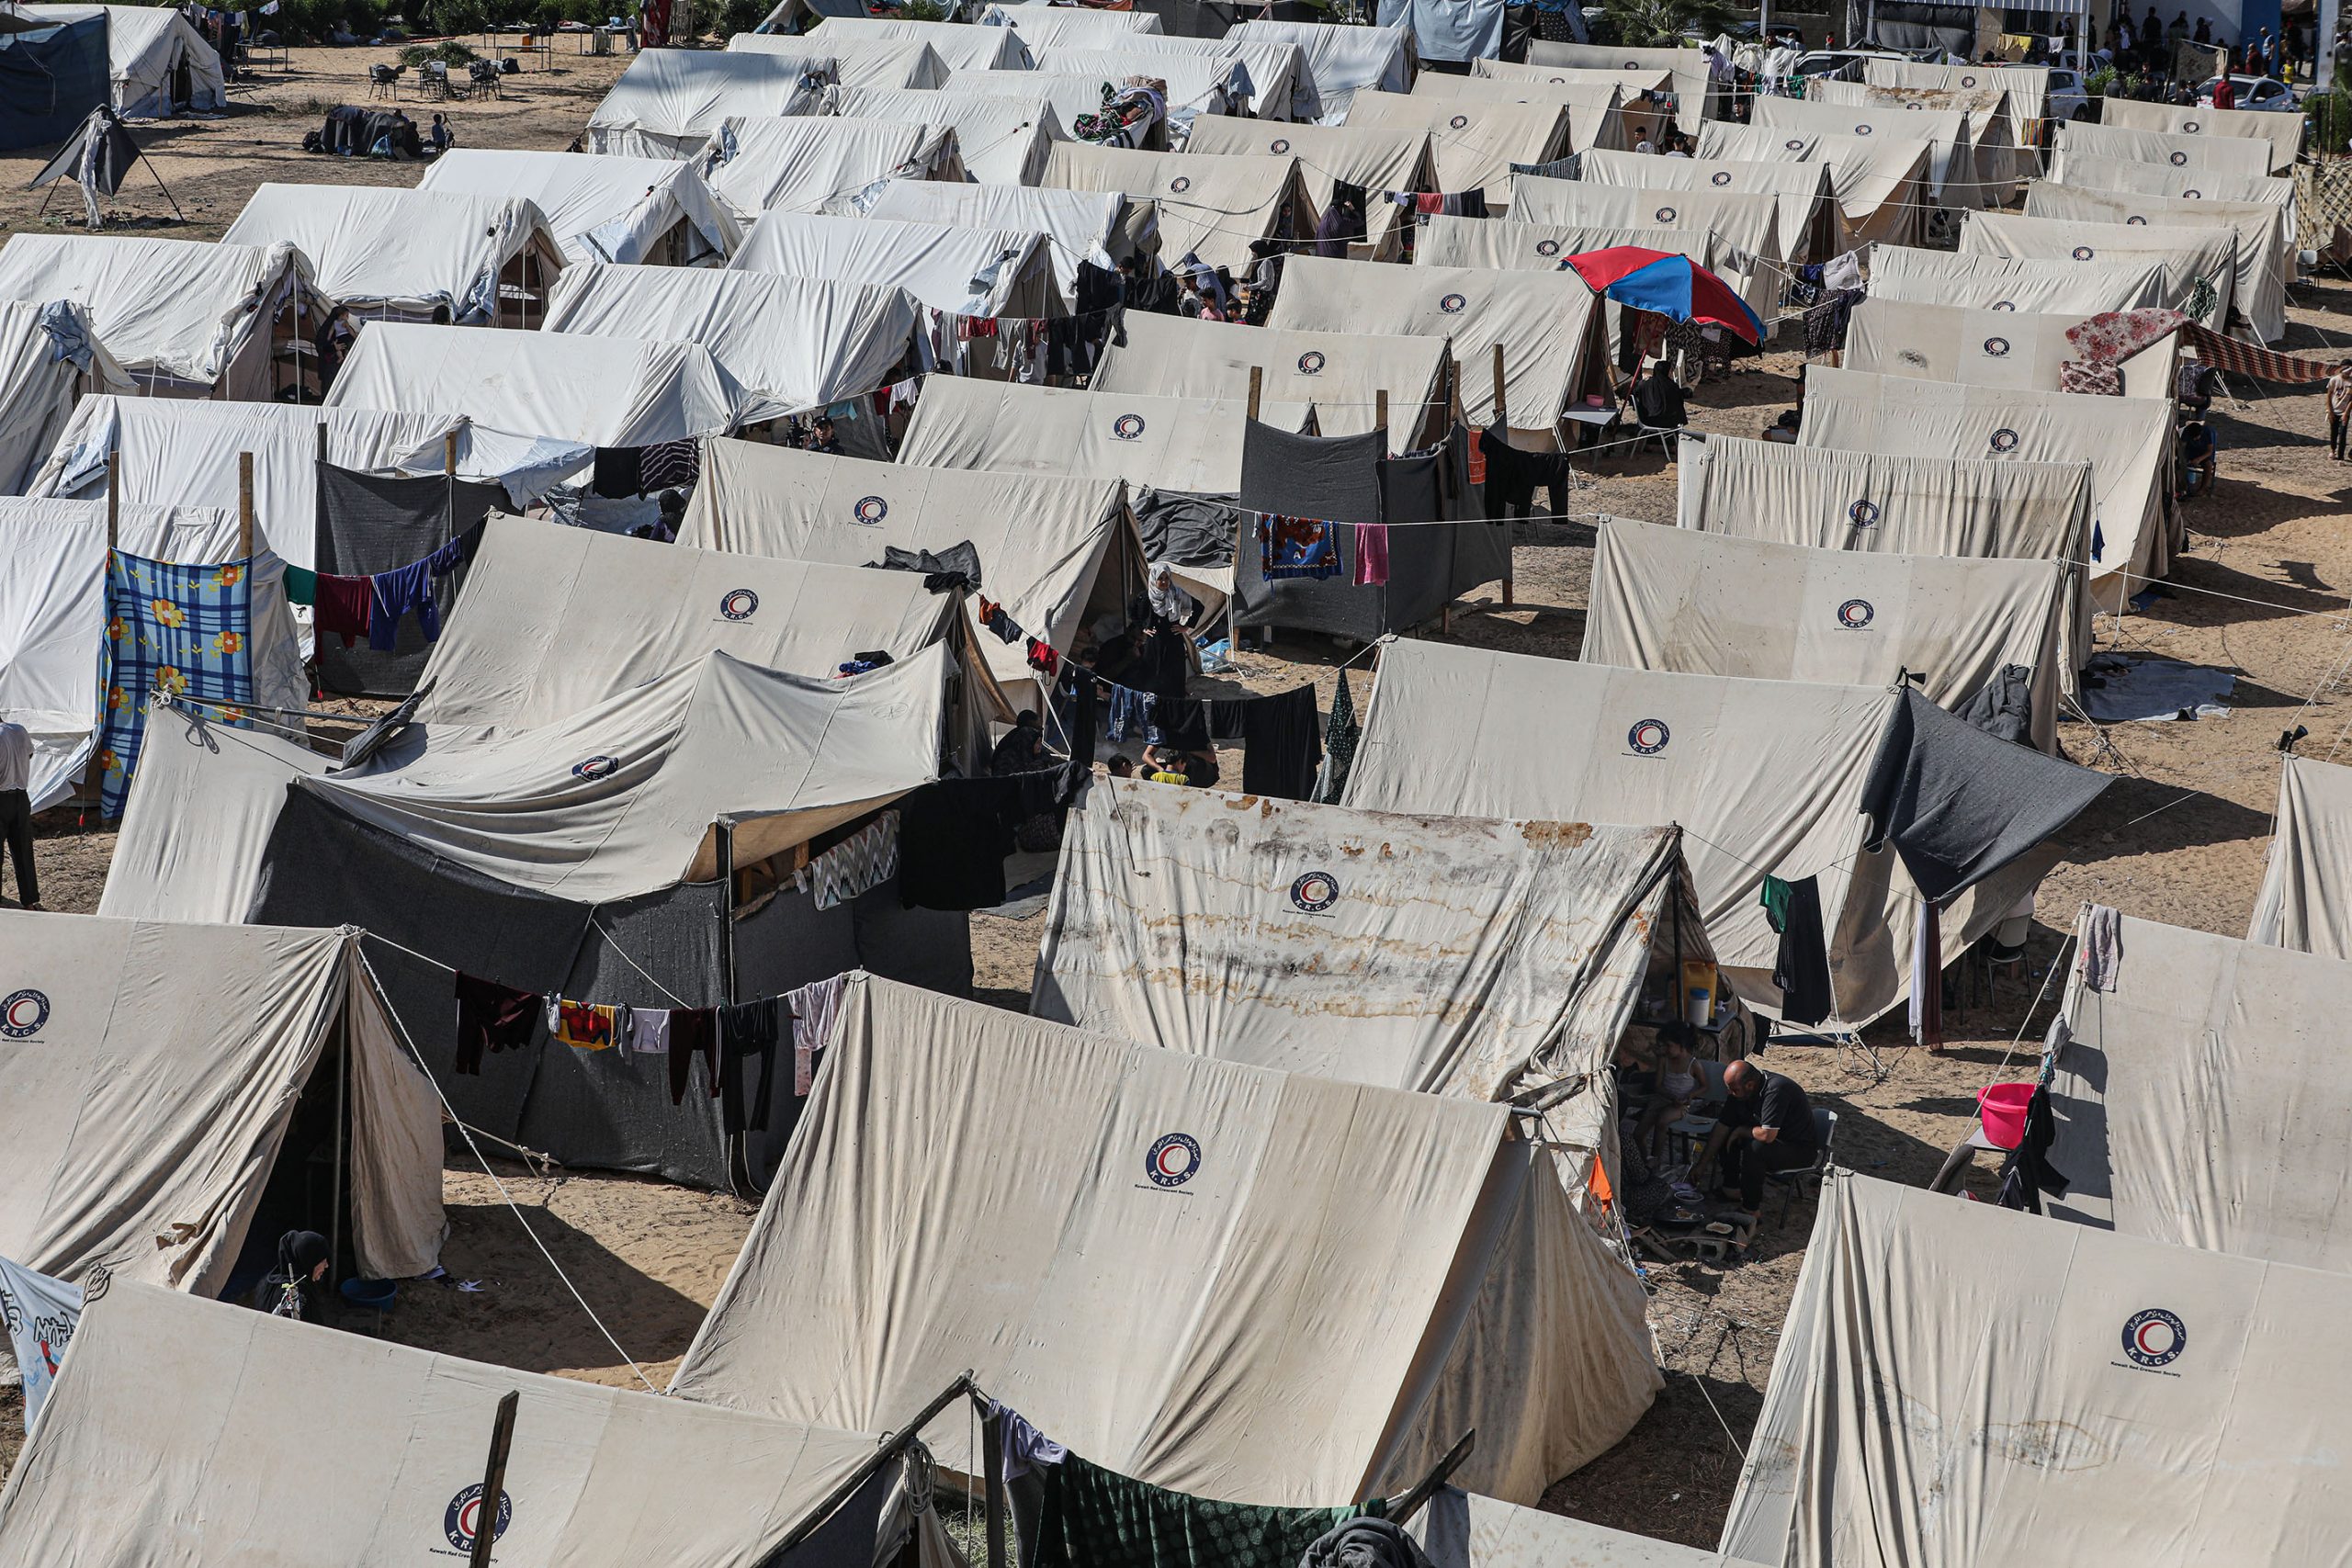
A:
(2003, 1108)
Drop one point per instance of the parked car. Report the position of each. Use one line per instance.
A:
(2266, 94)
(1843, 64)
(2067, 100)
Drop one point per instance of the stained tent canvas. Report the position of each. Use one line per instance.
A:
(2303, 903)
(1488, 960)
(1763, 776)
(2126, 175)
(1211, 206)
(847, 338)
(157, 1072)
(2282, 132)
(1954, 181)
(1547, 326)
(1058, 554)
(1809, 212)
(1123, 1296)
(1666, 598)
(2017, 283)
(1990, 348)
(2128, 441)
(1880, 182)
(1342, 375)
(2001, 161)
(240, 1459)
(2093, 1399)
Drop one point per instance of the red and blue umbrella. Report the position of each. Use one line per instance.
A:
(1675, 287)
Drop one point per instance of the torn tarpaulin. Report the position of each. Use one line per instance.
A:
(1960, 804)
(957, 566)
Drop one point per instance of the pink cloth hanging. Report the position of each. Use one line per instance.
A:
(1372, 555)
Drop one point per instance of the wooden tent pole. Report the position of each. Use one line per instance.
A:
(244, 506)
(114, 499)
(493, 1481)
(1233, 594)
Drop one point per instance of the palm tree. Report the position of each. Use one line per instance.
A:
(1665, 24)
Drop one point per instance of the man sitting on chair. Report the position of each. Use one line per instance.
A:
(1766, 1126)
(1658, 400)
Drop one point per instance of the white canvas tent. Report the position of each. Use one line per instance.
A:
(574, 387)
(1833, 499)
(1273, 81)
(1057, 553)
(54, 619)
(1002, 141)
(2128, 441)
(1999, 161)
(1601, 113)
(2192, 1093)
(2263, 260)
(1488, 960)
(1099, 226)
(182, 318)
(1462, 1529)
(1343, 374)
(1762, 776)
(1070, 93)
(218, 1411)
(1954, 181)
(2206, 253)
(557, 620)
(1547, 325)
(670, 102)
(1187, 444)
(2282, 132)
(2016, 283)
(157, 63)
(1197, 83)
(2122, 174)
(1989, 348)
(2028, 86)
(1048, 25)
(2303, 903)
(41, 381)
(1476, 142)
(1810, 216)
(1961, 1385)
(857, 62)
(410, 254)
(611, 208)
(197, 825)
(1124, 1316)
(2217, 154)
(1693, 89)
(1746, 223)
(1444, 241)
(1376, 158)
(1880, 182)
(936, 264)
(821, 163)
(1339, 61)
(154, 1071)
(174, 453)
(1667, 598)
(1210, 206)
(845, 339)
(960, 47)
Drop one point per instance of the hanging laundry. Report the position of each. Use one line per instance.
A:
(1927, 1012)
(672, 465)
(490, 1018)
(993, 618)
(343, 605)
(694, 1031)
(815, 1009)
(648, 1031)
(1281, 739)
(1296, 547)
(1130, 712)
(583, 1026)
(1045, 659)
(1372, 555)
(1339, 738)
(1024, 1448)
(746, 1030)
(1513, 476)
(2100, 958)
(394, 595)
(301, 585)
(1093, 1518)
(863, 861)
(1800, 968)
(39, 1315)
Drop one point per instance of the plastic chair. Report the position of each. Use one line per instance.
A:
(384, 81)
(482, 74)
(1789, 1182)
(432, 79)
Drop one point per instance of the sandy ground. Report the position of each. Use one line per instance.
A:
(2180, 838)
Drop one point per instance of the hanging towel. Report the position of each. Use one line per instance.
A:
(1296, 547)
(1372, 555)
(583, 1026)
(2102, 947)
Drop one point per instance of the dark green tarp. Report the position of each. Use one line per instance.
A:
(50, 78)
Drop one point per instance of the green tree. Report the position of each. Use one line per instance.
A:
(1665, 24)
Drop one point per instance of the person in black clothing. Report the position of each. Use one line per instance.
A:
(290, 1289)
(1023, 750)
(331, 342)
(1658, 400)
(1766, 1126)
(821, 437)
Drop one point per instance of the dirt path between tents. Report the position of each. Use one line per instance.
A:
(2180, 839)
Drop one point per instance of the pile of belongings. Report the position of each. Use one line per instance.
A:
(1127, 114)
